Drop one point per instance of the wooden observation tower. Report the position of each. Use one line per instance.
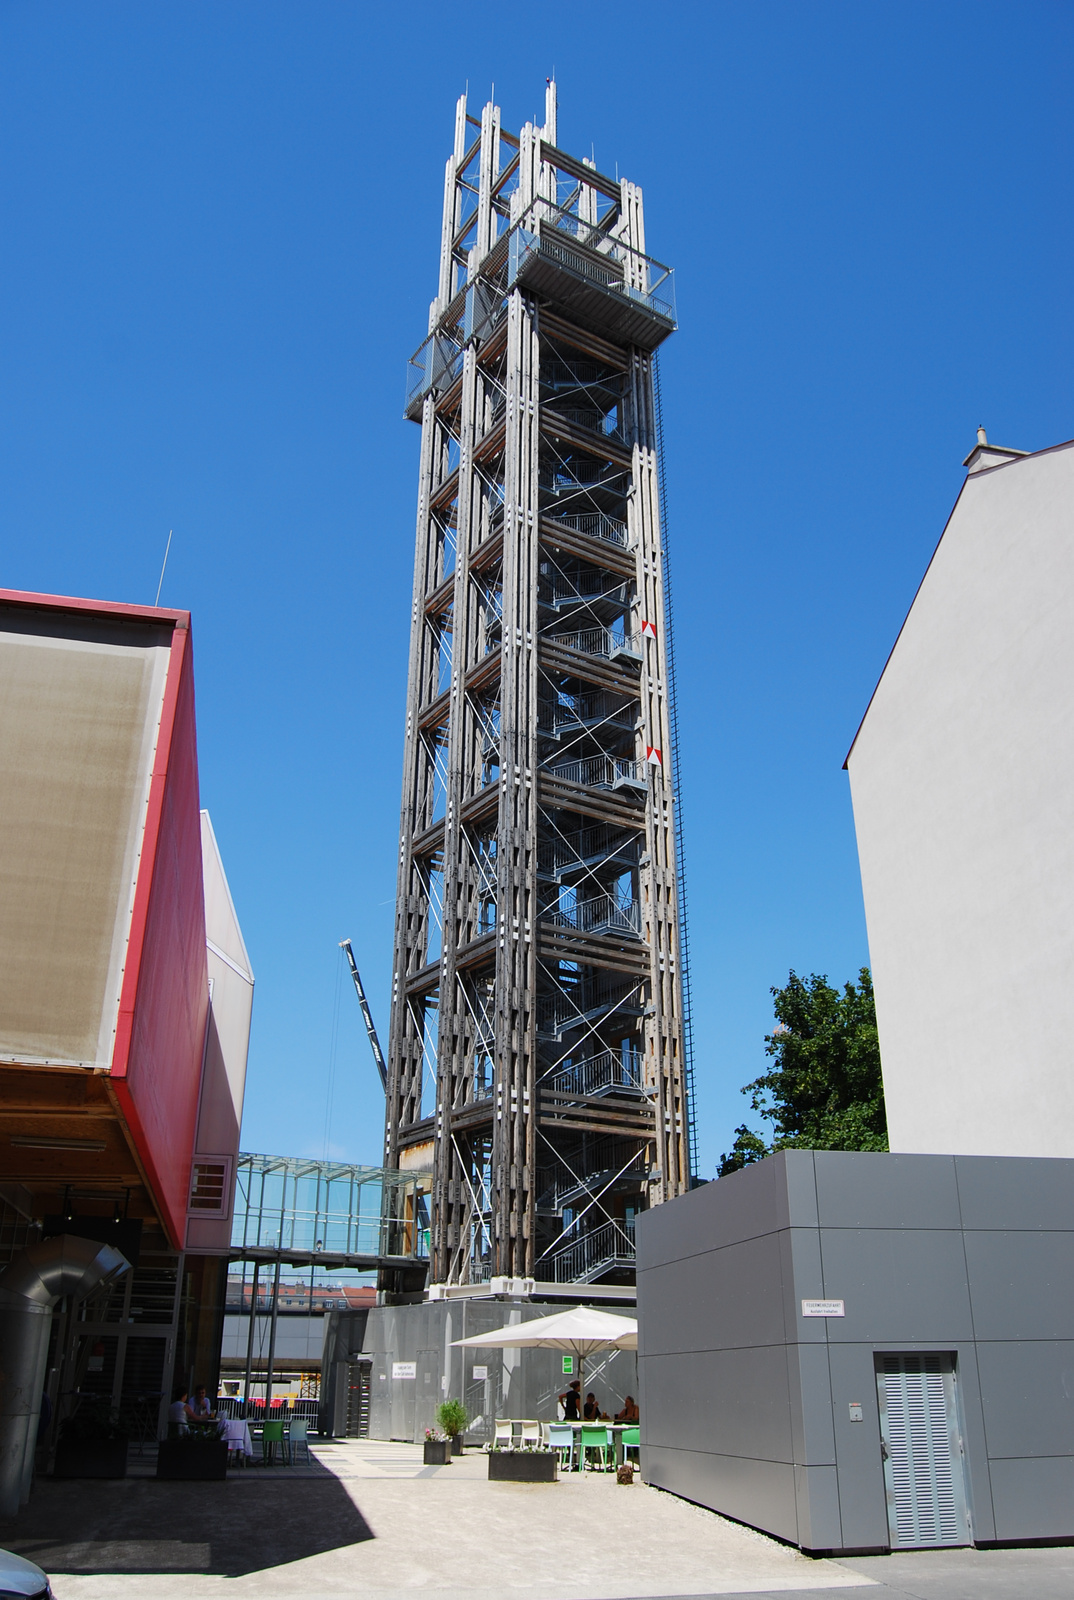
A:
(536, 1059)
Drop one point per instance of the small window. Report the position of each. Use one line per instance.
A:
(209, 1186)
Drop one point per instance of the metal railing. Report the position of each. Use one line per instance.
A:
(605, 423)
(558, 1013)
(586, 848)
(603, 913)
(588, 586)
(607, 642)
(601, 1249)
(602, 772)
(620, 269)
(600, 1074)
(595, 524)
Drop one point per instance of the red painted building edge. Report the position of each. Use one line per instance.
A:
(163, 1011)
(157, 1060)
(103, 608)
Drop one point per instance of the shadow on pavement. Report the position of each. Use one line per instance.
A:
(139, 1525)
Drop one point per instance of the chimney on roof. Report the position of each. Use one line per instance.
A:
(985, 455)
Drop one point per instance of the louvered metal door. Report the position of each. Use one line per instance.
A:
(922, 1444)
(358, 1399)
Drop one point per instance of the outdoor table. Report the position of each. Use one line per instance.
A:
(615, 1430)
(237, 1433)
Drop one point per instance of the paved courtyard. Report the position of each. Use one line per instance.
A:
(367, 1519)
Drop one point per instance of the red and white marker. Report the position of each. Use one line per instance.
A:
(653, 756)
(648, 628)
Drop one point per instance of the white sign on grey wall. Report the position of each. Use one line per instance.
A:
(823, 1308)
(404, 1369)
(479, 1373)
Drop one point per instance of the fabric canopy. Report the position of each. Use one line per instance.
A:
(582, 1330)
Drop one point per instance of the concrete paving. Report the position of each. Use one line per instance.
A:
(367, 1519)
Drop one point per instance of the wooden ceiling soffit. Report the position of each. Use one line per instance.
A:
(591, 344)
(591, 669)
(491, 445)
(481, 807)
(555, 793)
(441, 597)
(593, 950)
(445, 492)
(553, 426)
(488, 552)
(435, 713)
(599, 552)
(486, 672)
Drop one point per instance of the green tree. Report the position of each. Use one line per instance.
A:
(824, 1090)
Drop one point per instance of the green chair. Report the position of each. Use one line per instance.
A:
(632, 1441)
(271, 1436)
(594, 1439)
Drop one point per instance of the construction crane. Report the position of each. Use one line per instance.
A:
(374, 1042)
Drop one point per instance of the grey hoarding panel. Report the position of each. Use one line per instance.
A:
(1002, 1192)
(897, 1287)
(809, 1387)
(742, 1206)
(803, 1279)
(860, 1189)
(863, 1503)
(727, 1402)
(798, 1196)
(1033, 1499)
(727, 1298)
(1021, 1284)
(817, 1496)
(758, 1492)
(1028, 1398)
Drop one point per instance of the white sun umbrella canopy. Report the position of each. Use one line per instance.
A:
(582, 1331)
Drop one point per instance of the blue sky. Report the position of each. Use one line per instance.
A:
(219, 228)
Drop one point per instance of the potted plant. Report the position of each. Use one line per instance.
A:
(92, 1442)
(199, 1454)
(523, 1466)
(437, 1449)
(453, 1422)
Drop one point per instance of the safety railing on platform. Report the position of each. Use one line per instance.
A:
(599, 1074)
(603, 913)
(594, 1253)
(602, 772)
(610, 643)
(594, 524)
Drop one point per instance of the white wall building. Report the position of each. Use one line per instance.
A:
(962, 777)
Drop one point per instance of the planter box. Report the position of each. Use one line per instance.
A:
(91, 1458)
(437, 1452)
(204, 1461)
(456, 1445)
(522, 1466)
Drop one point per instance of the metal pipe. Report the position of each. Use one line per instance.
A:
(29, 1288)
(250, 1340)
(272, 1337)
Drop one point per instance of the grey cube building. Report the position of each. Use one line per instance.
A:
(860, 1352)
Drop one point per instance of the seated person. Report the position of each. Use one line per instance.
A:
(200, 1406)
(180, 1414)
(629, 1412)
(591, 1411)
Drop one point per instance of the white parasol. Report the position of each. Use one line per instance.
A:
(582, 1331)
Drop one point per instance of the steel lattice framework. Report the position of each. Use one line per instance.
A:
(536, 1056)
